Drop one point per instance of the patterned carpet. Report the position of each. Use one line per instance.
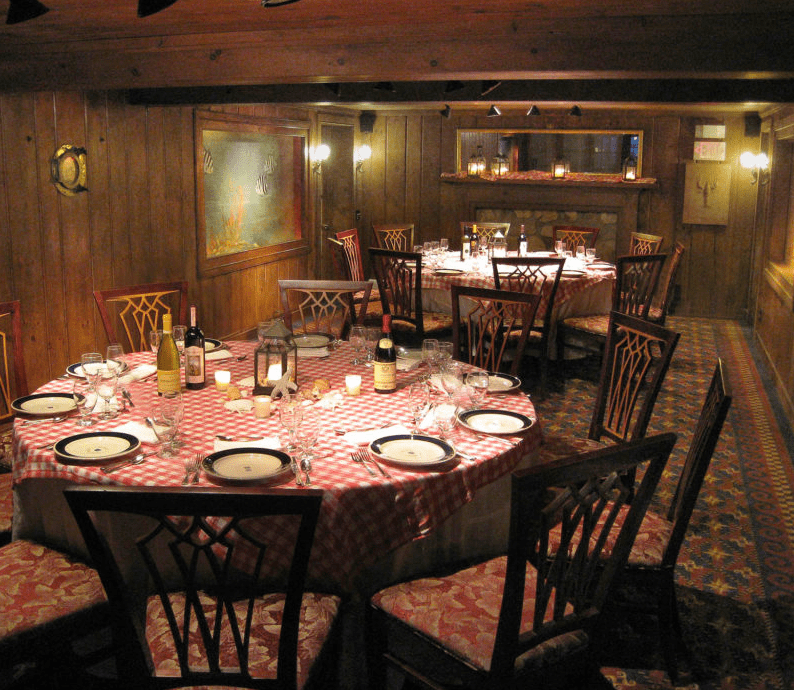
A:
(735, 575)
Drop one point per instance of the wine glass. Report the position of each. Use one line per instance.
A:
(418, 397)
(155, 336)
(580, 252)
(478, 381)
(165, 418)
(306, 434)
(114, 356)
(446, 417)
(430, 354)
(85, 398)
(443, 244)
(444, 354)
(91, 364)
(178, 333)
(106, 386)
(451, 378)
(356, 337)
(290, 414)
(371, 338)
(174, 404)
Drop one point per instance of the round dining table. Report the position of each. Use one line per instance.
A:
(373, 528)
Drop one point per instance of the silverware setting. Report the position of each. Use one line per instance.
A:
(339, 431)
(306, 466)
(294, 467)
(50, 420)
(238, 438)
(46, 446)
(126, 395)
(137, 460)
(192, 470)
(363, 457)
(356, 456)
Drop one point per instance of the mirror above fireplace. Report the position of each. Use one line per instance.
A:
(585, 151)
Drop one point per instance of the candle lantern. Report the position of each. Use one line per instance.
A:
(275, 354)
(630, 169)
(476, 165)
(499, 165)
(560, 168)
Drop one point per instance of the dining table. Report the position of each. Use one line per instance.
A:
(377, 524)
(585, 287)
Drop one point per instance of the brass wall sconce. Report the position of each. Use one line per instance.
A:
(319, 156)
(758, 165)
(363, 153)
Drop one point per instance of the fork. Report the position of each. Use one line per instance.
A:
(190, 468)
(197, 470)
(356, 456)
(366, 456)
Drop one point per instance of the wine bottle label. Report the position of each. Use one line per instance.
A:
(384, 375)
(194, 364)
(168, 381)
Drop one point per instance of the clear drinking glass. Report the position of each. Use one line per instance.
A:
(154, 340)
(92, 364)
(356, 338)
(165, 418)
(307, 433)
(114, 357)
(178, 332)
(174, 404)
(430, 354)
(418, 397)
(478, 381)
(444, 354)
(371, 338)
(590, 254)
(580, 252)
(106, 386)
(290, 415)
(85, 398)
(451, 377)
(445, 414)
(443, 244)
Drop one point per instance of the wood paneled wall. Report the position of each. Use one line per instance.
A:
(411, 149)
(136, 224)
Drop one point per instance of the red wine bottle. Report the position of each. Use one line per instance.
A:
(195, 370)
(385, 363)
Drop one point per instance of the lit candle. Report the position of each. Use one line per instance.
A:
(274, 372)
(262, 406)
(222, 379)
(353, 384)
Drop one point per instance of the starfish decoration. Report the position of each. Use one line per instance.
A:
(283, 386)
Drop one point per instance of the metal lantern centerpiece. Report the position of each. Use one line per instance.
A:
(630, 169)
(560, 168)
(500, 166)
(476, 166)
(277, 353)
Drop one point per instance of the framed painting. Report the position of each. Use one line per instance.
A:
(251, 191)
(707, 193)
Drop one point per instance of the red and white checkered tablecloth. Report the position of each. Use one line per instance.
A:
(363, 517)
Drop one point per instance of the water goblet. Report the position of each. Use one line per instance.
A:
(580, 252)
(290, 414)
(443, 244)
(371, 338)
(446, 417)
(165, 420)
(478, 381)
(178, 332)
(307, 433)
(559, 247)
(451, 376)
(444, 354)
(356, 338)
(590, 254)
(155, 336)
(114, 357)
(106, 387)
(174, 404)
(91, 364)
(430, 353)
(418, 398)
(85, 398)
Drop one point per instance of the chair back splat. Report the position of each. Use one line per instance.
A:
(398, 237)
(642, 243)
(227, 603)
(139, 309)
(663, 297)
(637, 280)
(527, 619)
(352, 249)
(574, 236)
(13, 379)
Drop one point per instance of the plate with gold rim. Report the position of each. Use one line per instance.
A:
(502, 383)
(94, 446)
(412, 451)
(490, 421)
(247, 466)
(44, 404)
(76, 369)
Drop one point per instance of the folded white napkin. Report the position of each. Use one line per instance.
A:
(241, 405)
(408, 364)
(312, 352)
(138, 373)
(143, 432)
(100, 405)
(270, 442)
(573, 264)
(217, 354)
(361, 438)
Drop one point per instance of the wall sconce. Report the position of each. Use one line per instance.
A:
(319, 156)
(476, 166)
(363, 153)
(630, 169)
(758, 165)
(560, 168)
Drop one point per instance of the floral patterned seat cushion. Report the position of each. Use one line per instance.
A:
(555, 447)
(317, 616)
(432, 321)
(461, 611)
(597, 324)
(39, 585)
(6, 440)
(6, 502)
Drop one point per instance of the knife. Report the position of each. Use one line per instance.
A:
(126, 395)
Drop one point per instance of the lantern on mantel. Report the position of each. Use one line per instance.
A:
(630, 169)
(476, 165)
(560, 168)
(275, 354)
(500, 165)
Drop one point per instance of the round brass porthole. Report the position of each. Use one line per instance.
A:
(68, 170)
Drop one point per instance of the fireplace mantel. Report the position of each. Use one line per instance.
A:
(464, 196)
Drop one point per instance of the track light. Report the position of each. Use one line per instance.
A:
(22, 10)
(493, 111)
(533, 111)
(147, 7)
(576, 111)
(488, 86)
(446, 112)
(453, 86)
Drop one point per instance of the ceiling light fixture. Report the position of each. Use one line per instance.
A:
(493, 111)
(148, 7)
(488, 86)
(576, 111)
(446, 112)
(22, 10)
(533, 111)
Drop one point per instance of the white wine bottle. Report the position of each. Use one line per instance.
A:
(465, 245)
(522, 243)
(194, 354)
(384, 372)
(168, 374)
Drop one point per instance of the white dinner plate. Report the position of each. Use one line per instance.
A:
(412, 451)
(448, 271)
(210, 344)
(313, 340)
(76, 369)
(495, 421)
(44, 404)
(247, 466)
(94, 446)
(408, 354)
(502, 383)
(572, 273)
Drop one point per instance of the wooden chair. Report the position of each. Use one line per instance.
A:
(323, 306)
(486, 231)
(663, 297)
(352, 249)
(343, 268)
(642, 243)
(399, 276)
(139, 309)
(635, 284)
(536, 276)
(483, 321)
(574, 236)
(13, 385)
(227, 569)
(398, 237)
(528, 619)
(51, 603)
